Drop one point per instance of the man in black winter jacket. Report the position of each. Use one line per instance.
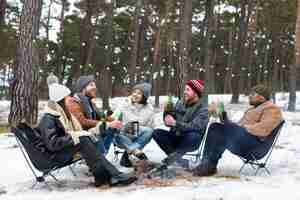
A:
(187, 127)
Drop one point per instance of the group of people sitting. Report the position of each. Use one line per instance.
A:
(72, 124)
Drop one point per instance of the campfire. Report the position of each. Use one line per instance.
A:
(157, 175)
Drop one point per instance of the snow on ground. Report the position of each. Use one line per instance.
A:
(16, 178)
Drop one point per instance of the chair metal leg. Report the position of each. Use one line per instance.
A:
(258, 168)
(50, 174)
(241, 169)
(40, 179)
(33, 186)
(252, 165)
(72, 171)
(268, 172)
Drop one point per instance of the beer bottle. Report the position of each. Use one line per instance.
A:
(222, 113)
(221, 107)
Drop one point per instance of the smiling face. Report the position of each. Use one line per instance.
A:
(91, 89)
(190, 96)
(137, 96)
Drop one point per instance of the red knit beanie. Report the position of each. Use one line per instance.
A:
(196, 85)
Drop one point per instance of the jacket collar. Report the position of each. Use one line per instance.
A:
(54, 109)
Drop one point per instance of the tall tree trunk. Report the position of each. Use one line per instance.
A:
(60, 64)
(135, 42)
(3, 5)
(208, 54)
(185, 42)
(294, 69)
(24, 104)
(108, 56)
(239, 53)
(156, 64)
(85, 42)
(228, 76)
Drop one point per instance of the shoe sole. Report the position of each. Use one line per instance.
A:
(125, 182)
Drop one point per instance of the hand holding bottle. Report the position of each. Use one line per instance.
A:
(169, 108)
(170, 121)
(115, 124)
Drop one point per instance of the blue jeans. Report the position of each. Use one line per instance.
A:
(105, 139)
(131, 143)
(169, 142)
(228, 136)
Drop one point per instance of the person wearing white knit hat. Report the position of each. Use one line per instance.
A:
(57, 92)
(63, 136)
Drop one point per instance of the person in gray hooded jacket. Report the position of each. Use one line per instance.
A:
(135, 110)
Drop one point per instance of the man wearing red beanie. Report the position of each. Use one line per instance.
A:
(187, 126)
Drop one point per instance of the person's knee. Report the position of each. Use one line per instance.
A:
(156, 134)
(215, 126)
(195, 142)
(147, 132)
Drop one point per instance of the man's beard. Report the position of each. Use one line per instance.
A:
(255, 103)
(189, 100)
(92, 93)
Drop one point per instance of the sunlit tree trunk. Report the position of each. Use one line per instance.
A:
(24, 103)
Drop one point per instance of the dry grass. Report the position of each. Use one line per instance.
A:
(4, 128)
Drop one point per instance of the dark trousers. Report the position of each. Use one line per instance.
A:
(228, 136)
(169, 142)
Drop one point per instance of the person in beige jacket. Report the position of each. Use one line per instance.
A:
(257, 123)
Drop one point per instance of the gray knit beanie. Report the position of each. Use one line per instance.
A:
(82, 82)
(52, 79)
(145, 88)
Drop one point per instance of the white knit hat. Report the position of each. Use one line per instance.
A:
(57, 92)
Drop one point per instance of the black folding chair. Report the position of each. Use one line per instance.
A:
(258, 158)
(36, 156)
(117, 151)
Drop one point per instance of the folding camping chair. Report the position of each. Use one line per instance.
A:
(258, 158)
(35, 157)
(199, 152)
(117, 151)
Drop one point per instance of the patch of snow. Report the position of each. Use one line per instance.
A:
(16, 178)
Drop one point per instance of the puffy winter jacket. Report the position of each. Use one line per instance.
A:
(191, 118)
(53, 133)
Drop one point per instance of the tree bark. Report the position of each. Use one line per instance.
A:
(156, 64)
(239, 53)
(3, 6)
(208, 54)
(85, 42)
(135, 42)
(294, 69)
(108, 56)
(24, 104)
(185, 43)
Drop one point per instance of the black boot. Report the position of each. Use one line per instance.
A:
(205, 168)
(122, 179)
(125, 161)
(173, 157)
(103, 171)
